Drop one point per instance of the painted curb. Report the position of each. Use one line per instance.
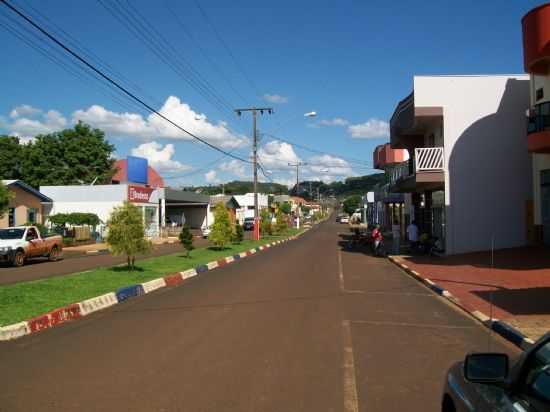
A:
(502, 328)
(89, 306)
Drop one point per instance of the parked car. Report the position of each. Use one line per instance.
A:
(344, 219)
(484, 382)
(205, 230)
(17, 244)
(248, 223)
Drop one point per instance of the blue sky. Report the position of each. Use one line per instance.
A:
(351, 62)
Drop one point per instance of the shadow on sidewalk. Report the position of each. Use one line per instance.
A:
(530, 301)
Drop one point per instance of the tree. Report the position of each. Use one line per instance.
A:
(11, 154)
(238, 233)
(221, 231)
(72, 156)
(186, 239)
(5, 197)
(281, 221)
(265, 222)
(285, 208)
(126, 233)
(351, 204)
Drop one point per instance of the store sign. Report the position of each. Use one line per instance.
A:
(139, 194)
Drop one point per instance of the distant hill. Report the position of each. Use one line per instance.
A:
(351, 186)
(240, 188)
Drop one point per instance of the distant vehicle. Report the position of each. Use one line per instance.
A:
(205, 231)
(344, 219)
(248, 223)
(483, 382)
(17, 244)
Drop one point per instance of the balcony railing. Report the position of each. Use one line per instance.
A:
(399, 172)
(539, 118)
(429, 159)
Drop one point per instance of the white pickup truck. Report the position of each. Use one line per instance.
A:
(20, 243)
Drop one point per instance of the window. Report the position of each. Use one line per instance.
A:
(537, 375)
(31, 215)
(31, 234)
(11, 216)
(539, 94)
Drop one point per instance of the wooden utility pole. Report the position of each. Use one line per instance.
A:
(254, 110)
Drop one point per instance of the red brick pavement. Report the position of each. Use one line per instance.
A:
(519, 282)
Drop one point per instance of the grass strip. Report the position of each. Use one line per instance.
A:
(26, 300)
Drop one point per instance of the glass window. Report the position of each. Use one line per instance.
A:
(11, 216)
(31, 234)
(31, 215)
(537, 375)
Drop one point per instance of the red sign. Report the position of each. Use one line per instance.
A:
(139, 194)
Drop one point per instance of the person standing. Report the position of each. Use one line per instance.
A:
(412, 234)
(396, 235)
(377, 241)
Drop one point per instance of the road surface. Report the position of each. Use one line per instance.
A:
(304, 326)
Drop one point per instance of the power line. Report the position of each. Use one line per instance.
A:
(212, 63)
(226, 46)
(114, 83)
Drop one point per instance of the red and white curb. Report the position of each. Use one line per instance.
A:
(502, 328)
(77, 310)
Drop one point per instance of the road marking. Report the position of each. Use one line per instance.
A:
(351, 403)
(341, 276)
(413, 325)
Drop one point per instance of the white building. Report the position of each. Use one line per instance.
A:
(246, 203)
(102, 199)
(469, 172)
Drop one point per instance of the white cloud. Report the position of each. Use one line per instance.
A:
(277, 154)
(330, 166)
(372, 128)
(275, 98)
(134, 125)
(24, 110)
(26, 128)
(159, 157)
(211, 176)
(337, 121)
(235, 167)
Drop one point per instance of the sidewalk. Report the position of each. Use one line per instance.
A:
(518, 285)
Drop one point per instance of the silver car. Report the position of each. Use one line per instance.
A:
(484, 382)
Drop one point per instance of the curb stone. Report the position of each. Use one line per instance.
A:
(502, 328)
(86, 307)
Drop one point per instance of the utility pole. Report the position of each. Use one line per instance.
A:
(297, 166)
(254, 110)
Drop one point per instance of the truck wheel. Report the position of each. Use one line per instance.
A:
(54, 254)
(19, 258)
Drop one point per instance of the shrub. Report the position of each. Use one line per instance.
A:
(265, 222)
(186, 239)
(221, 231)
(281, 223)
(238, 233)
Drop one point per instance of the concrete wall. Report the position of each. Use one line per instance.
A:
(21, 202)
(487, 167)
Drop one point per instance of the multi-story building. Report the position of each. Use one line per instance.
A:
(387, 206)
(536, 59)
(468, 172)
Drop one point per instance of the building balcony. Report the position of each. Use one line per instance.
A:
(536, 40)
(538, 128)
(384, 156)
(424, 172)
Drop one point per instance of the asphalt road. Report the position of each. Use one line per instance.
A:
(300, 327)
(40, 268)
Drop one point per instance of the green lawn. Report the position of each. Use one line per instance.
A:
(23, 301)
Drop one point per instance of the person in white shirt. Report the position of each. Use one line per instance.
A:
(412, 234)
(396, 235)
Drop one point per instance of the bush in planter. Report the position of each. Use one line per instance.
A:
(221, 232)
(265, 222)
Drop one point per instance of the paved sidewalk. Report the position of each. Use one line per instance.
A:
(518, 284)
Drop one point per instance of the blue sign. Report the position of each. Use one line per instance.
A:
(137, 170)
